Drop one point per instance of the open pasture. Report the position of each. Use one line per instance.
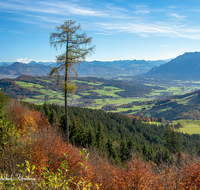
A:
(111, 92)
(190, 126)
(29, 85)
(89, 83)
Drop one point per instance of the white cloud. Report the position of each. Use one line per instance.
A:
(142, 12)
(161, 29)
(176, 16)
(57, 7)
(111, 18)
(24, 60)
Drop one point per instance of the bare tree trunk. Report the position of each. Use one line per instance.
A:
(66, 108)
(66, 119)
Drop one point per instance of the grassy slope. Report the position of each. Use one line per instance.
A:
(40, 84)
(190, 126)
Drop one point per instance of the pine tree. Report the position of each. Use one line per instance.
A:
(46, 109)
(100, 142)
(145, 151)
(90, 137)
(77, 133)
(80, 138)
(151, 155)
(130, 144)
(52, 117)
(76, 45)
(110, 149)
(172, 142)
(124, 153)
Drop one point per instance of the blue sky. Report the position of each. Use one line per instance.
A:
(120, 29)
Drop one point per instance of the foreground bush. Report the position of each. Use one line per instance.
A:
(138, 175)
(27, 179)
(26, 137)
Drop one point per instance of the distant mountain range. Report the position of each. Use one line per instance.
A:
(18, 69)
(187, 64)
(87, 68)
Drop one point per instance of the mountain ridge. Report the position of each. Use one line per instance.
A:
(87, 68)
(186, 64)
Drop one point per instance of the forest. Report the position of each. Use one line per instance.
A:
(106, 150)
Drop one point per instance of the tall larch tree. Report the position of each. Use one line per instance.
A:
(77, 47)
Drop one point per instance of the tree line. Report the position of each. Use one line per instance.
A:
(118, 136)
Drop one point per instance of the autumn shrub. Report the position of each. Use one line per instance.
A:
(139, 174)
(11, 147)
(27, 179)
(27, 135)
(191, 175)
(42, 145)
(24, 118)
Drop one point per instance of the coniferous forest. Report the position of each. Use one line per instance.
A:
(106, 150)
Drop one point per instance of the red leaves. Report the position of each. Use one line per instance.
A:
(191, 175)
(44, 147)
(24, 118)
(17, 116)
(139, 174)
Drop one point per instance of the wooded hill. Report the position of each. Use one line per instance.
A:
(27, 136)
(27, 86)
(122, 131)
(185, 106)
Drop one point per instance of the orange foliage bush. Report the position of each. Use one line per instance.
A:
(45, 148)
(24, 118)
(191, 177)
(138, 174)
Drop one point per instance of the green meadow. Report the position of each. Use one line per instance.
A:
(108, 95)
(190, 126)
(90, 83)
(29, 85)
(156, 123)
(109, 91)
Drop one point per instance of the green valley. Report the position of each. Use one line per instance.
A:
(146, 97)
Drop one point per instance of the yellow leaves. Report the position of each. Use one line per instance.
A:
(29, 121)
(69, 87)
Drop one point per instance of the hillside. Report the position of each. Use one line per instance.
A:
(185, 106)
(187, 64)
(128, 97)
(34, 153)
(116, 127)
(90, 91)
